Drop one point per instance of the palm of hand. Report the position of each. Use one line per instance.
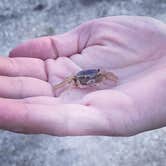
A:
(130, 47)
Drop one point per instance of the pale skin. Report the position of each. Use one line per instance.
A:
(133, 48)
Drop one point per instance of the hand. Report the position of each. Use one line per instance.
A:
(131, 47)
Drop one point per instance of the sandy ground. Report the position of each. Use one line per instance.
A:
(24, 19)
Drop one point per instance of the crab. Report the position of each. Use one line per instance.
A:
(86, 78)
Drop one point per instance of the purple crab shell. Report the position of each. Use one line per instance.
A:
(87, 76)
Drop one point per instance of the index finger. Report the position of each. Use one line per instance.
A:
(67, 44)
(48, 47)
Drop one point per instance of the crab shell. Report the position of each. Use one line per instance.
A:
(88, 77)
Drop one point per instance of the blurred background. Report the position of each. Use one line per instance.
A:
(21, 20)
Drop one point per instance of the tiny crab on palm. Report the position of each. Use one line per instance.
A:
(86, 78)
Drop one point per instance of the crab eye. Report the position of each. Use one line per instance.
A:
(82, 77)
(98, 70)
(87, 77)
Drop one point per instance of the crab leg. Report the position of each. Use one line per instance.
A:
(63, 83)
(111, 76)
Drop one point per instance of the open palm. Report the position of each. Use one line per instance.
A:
(131, 47)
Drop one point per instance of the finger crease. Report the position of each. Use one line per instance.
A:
(19, 85)
(14, 66)
(54, 48)
(46, 70)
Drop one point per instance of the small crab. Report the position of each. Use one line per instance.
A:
(88, 77)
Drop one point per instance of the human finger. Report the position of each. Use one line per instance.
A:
(21, 87)
(48, 47)
(59, 120)
(31, 67)
(45, 100)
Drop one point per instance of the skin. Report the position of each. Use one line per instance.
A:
(131, 47)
